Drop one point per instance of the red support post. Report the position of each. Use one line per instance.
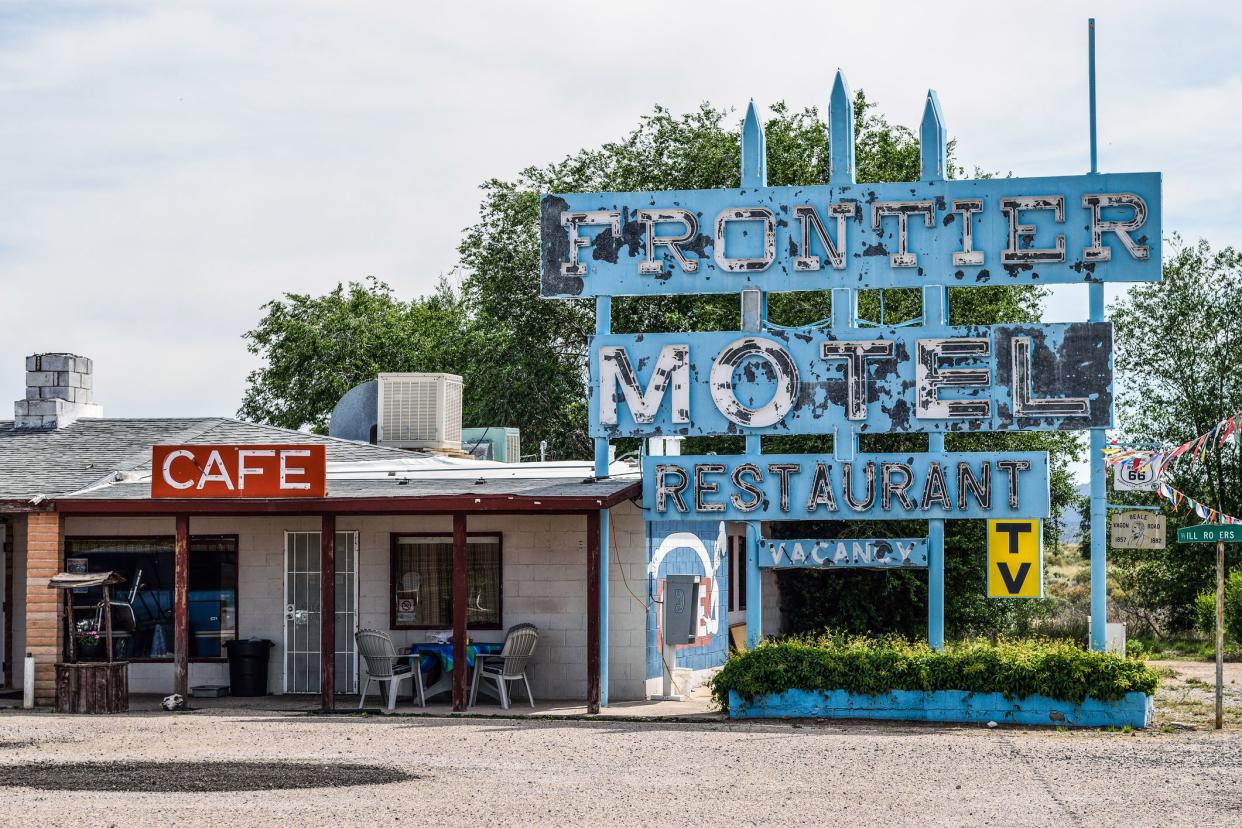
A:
(459, 613)
(593, 613)
(181, 607)
(327, 613)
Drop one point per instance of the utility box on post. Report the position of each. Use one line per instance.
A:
(681, 598)
(679, 619)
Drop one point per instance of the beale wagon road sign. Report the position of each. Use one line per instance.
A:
(1210, 533)
(1136, 529)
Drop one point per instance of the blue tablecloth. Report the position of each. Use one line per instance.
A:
(427, 654)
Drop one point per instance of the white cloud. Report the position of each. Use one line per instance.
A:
(167, 167)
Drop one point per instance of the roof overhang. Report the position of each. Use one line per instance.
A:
(430, 504)
(22, 506)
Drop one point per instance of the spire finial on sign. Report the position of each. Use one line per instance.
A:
(754, 150)
(932, 139)
(841, 132)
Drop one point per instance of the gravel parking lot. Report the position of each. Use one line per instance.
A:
(606, 772)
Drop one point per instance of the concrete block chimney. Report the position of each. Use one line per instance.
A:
(59, 391)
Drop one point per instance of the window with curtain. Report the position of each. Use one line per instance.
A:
(142, 613)
(737, 573)
(422, 581)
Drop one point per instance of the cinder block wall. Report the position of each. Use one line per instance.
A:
(544, 583)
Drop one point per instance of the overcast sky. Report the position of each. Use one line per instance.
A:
(165, 168)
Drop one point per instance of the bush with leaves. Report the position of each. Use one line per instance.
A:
(872, 666)
(1205, 610)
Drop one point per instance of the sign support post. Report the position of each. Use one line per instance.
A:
(603, 325)
(1099, 498)
(1220, 634)
(754, 174)
(1219, 534)
(934, 157)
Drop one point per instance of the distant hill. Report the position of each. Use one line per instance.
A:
(1073, 518)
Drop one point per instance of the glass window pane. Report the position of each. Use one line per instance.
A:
(423, 581)
(142, 612)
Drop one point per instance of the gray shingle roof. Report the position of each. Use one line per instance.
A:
(541, 488)
(64, 460)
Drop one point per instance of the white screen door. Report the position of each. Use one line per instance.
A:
(302, 616)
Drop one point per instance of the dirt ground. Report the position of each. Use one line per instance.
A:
(442, 771)
(1187, 693)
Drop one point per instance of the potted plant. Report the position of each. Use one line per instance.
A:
(90, 642)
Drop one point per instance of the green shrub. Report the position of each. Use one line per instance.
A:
(1017, 668)
(1205, 609)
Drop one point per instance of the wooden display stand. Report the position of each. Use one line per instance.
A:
(90, 687)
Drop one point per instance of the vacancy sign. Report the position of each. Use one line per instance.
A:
(1015, 559)
(257, 471)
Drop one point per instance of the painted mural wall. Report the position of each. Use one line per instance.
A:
(689, 548)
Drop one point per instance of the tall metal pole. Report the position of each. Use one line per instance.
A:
(603, 325)
(754, 174)
(933, 150)
(1091, 89)
(1099, 497)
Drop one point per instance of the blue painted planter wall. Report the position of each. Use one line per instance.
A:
(1134, 709)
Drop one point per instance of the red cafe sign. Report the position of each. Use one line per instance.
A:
(239, 471)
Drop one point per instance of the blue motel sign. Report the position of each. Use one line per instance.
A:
(847, 377)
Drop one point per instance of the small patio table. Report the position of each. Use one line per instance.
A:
(428, 652)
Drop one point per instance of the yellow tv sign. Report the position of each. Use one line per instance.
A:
(1015, 559)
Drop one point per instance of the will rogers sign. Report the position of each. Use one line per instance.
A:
(239, 471)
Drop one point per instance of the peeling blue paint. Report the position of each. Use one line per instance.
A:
(1054, 214)
(1133, 709)
(1067, 360)
(920, 485)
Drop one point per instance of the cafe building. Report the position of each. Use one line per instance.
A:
(245, 531)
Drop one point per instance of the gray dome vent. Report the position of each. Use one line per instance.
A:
(356, 416)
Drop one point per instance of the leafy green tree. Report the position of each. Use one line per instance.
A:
(1179, 354)
(315, 348)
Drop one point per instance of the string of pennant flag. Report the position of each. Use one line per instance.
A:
(1195, 451)
(1181, 499)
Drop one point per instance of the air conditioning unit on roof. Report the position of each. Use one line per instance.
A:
(420, 411)
(498, 443)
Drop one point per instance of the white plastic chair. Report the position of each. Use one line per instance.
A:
(385, 664)
(509, 665)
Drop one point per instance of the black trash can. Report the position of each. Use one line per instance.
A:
(248, 666)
